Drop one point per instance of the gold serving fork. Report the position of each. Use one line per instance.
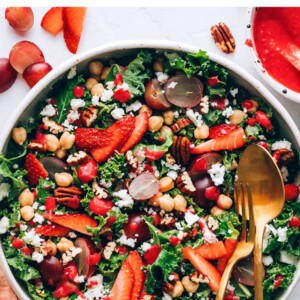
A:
(243, 205)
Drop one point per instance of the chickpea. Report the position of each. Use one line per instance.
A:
(216, 211)
(180, 203)
(155, 123)
(19, 135)
(96, 67)
(253, 109)
(166, 184)
(202, 132)
(158, 66)
(177, 290)
(166, 129)
(52, 142)
(147, 109)
(237, 117)
(26, 198)
(97, 90)
(63, 179)
(67, 140)
(90, 83)
(60, 153)
(64, 245)
(154, 201)
(166, 202)
(104, 73)
(51, 248)
(224, 202)
(27, 212)
(169, 117)
(189, 285)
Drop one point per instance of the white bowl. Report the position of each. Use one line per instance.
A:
(27, 108)
(281, 89)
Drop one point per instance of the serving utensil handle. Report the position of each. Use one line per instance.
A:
(258, 269)
(225, 278)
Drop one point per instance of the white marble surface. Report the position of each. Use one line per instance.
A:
(103, 25)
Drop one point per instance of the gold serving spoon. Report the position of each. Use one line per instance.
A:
(258, 169)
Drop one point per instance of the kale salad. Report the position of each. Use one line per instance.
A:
(122, 186)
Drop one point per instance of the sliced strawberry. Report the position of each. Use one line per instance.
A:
(230, 245)
(218, 104)
(234, 139)
(204, 267)
(52, 20)
(135, 261)
(87, 139)
(154, 155)
(100, 207)
(77, 222)
(73, 18)
(140, 127)
(64, 289)
(123, 285)
(53, 230)
(120, 132)
(34, 169)
(220, 130)
(212, 251)
(151, 254)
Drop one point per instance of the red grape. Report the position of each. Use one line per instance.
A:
(244, 271)
(144, 187)
(201, 183)
(141, 233)
(7, 75)
(155, 97)
(203, 162)
(184, 91)
(51, 268)
(35, 72)
(54, 165)
(24, 54)
(19, 18)
(83, 258)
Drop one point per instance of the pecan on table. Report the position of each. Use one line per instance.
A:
(223, 38)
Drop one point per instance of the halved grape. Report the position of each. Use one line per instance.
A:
(24, 54)
(35, 72)
(154, 95)
(184, 91)
(7, 75)
(19, 18)
(54, 165)
(144, 187)
(51, 268)
(244, 271)
(203, 162)
(201, 183)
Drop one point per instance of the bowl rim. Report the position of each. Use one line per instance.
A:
(127, 45)
(277, 86)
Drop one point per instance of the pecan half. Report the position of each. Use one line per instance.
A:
(132, 161)
(77, 158)
(89, 116)
(185, 184)
(212, 223)
(52, 126)
(283, 157)
(167, 287)
(100, 191)
(65, 194)
(197, 277)
(167, 223)
(223, 38)
(204, 105)
(35, 145)
(108, 250)
(170, 159)
(181, 150)
(180, 124)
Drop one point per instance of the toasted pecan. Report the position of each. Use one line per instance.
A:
(223, 38)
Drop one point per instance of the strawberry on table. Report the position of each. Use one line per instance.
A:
(35, 169)
(76, 222)
(53, 230)
(52, 20)
(123, 285)
(73, 18)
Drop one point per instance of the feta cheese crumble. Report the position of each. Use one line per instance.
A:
(190, 218)
(284, 144)
(72, 73)
(117, 113)
(95, 100)
(96, 291)
(33, 238)
(106, 95)
(126, 200)
(77, 103)
(284, 173)
(4, 190)
(287, 258)
(106, 184)
(48, 111)
(172, 85)
(38, 218)
(70, 254)
(267, 260)
(145, 246)
(227, 112)
(38, 257)
(234, 92)
(123, 240)
(135, 106)
(282, 234)
(195, 117)
(172, 174)
(4, 225)
(217, 173)
(161, 77)
(110, 85)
